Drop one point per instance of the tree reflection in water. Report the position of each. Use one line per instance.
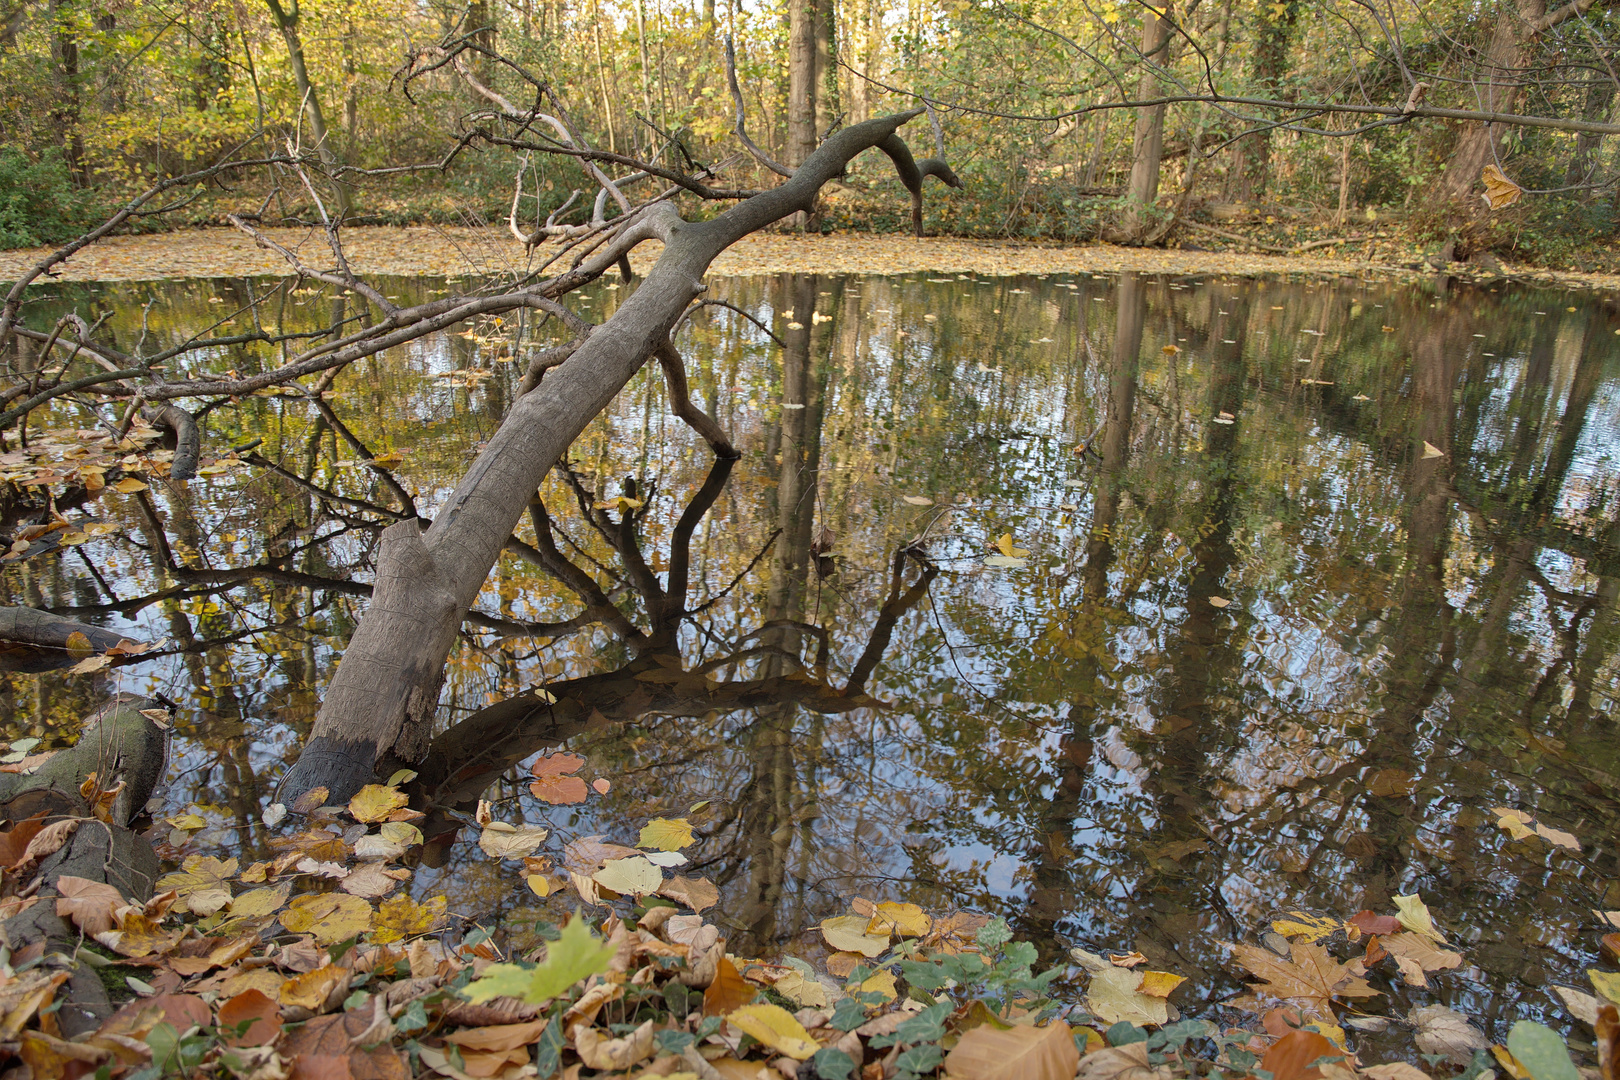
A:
(1096, 746)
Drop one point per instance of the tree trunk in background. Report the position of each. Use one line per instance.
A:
(1505, 61)
(863, 39)
(287, 22)
(1148, 147)
(1273, 27)
(801, 125)
(1599, 103)
(827, 97)
(65, 110)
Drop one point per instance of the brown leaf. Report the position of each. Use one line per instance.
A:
(90, 904)
(729, 991)
(1017, 1053)
(696, 893)
(1608, 1042)
(1290, 1057)
(255, 1008)
(500, 1037)
(1369, 922)
(1310, 976)
(600, 1051)
(183, 1010)
(321, 1067)
(318, 990)
(333, 1037)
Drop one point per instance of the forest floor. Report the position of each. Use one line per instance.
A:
(451, 251)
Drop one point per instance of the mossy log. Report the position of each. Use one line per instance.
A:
(118, 744)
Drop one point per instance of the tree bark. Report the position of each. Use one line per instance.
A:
(385, 694)
(287, 22)
(1273, 26)
(1505, 61)
(801, 80)
(1148, 146)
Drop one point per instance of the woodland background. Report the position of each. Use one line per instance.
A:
(1041, 106)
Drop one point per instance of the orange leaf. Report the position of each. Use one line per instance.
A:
(1290, 1057)
(552, 783)
(256, 1008)
(729, 991)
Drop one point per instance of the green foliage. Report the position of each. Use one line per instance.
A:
(576, 954)
(38, 202)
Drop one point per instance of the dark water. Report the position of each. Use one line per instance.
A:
(1289, 660)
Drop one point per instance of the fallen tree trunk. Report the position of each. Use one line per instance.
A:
(380, 706)
(42, 630)
(117, 743)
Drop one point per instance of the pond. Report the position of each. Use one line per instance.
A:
(1136, 610)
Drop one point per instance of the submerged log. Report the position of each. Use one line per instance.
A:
(32, 640)
(118, 744)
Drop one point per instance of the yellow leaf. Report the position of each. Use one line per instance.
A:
(666, 834)
(1307, 927)
(129, 485)
(312, 989)
(539, 884)
(78, 646)
(881, 983)
(375, 802)
(1607, 983)
(401, 917)
(257, 902)
(1431, 451)
(1516, 822)
(847, 933)
(902, 920)
(775, 1027)
(1005, 546)
(139, 936)
(331, 917)
(503, 840)
(393, 457)
(1499, 190)
(634, 877)
(1160, 984)
(203, 884)
(918, 500)
(1414, 915)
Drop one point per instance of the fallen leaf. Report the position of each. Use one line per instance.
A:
(1541, 1050)
(666, 834)
(401, 917)
(1583, 1007)
(1306, 927)
(918, 500)
(901, 920)
(1004, 544)
(1115, 994)
(1431, 451)
(1290, 1057)
(1606, 983)
(374, 802)
(728, 992)
(373, 880)
(848, 933)
(90, 904)
(330, 917)
(1310, 976)
(1445, 1031)
(501, 840)
(1019, 1052)
(1160, 984)
(1414, 915)
(552, 783)
(1559, 837)
(630, 877)
(313, 990)
(776, 1028)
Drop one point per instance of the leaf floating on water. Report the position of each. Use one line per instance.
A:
(552, 782)
(1306, 927)
(330, 917)
(1219, 601)
(1005, 562)
(1431, 451)
(1414, 915)
(918, 500)
(1541, 1051)
(1516, 822)
(375, 802)
(630, 877)
(1559, 837)
(666, 834)
(901, 920)
(501, 840)
(1005, 545)
(1115, 995)
(1606, 983)
(129, 485)
(1020, 1052)
(848, 933)
(1582, 1006)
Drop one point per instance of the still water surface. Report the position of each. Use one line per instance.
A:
(1318, 572)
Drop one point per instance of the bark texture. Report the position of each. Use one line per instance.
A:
(1147, 151)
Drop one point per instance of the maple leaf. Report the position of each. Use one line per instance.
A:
(400, 917)
(1310, 975)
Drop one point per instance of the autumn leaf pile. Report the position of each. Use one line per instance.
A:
(319, 963)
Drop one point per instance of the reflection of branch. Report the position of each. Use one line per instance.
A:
(680, 400)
